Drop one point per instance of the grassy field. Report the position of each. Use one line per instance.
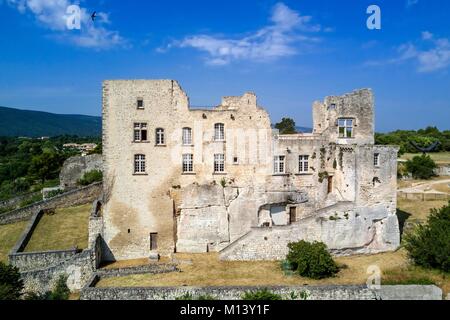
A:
(65, 229)
(438, 157)
(9, 235)
(208, 270)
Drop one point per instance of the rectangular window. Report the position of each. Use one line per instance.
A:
(160, 140)
(139, 163)
(187, 136)
(188, 165)
(376, 159)
(345, 128)
(153, 241)
(303, 164)
(219, 162)
(219, 132)
(278, 164)
(140, 103)
(330, 184)
(140, 132)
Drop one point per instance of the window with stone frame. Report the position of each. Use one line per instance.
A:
(140, 103)
(140, 131)
(376, 159)
(303, 164)
(160, 137)
(219, 162)
(345, 126)
(219, 132)
(187, 136)
(279, 165)
(139, 163)
(188, 162)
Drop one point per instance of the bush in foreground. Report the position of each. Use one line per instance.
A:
(10, 283)
(311, 260)
(429, 244)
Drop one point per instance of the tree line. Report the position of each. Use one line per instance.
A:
(28, 165)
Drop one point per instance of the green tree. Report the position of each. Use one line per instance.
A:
(286, 126)
(429, 245)
(311, 260)
(46, 165)
(421, 167)
(91, 177)
(11, 285)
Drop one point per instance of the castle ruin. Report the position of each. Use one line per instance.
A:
(181, 179)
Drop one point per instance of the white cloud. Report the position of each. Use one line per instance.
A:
(429, 54)
(271, 42)
(52, 14)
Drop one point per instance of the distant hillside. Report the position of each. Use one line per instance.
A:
(303, 129)
(26, 123)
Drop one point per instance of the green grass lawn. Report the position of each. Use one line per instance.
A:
(438, 157)
(9, 235)
(65, 229)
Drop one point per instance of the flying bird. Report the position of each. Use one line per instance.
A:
(94, 15)
(425, 149)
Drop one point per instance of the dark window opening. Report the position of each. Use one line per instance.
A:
(140, 103)
(153, 241)
(292, 214)
(330, 184)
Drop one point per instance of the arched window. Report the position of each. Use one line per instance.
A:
(160, 140)
(219, 132)
(187, 136)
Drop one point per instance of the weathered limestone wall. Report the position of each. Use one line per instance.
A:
(137, 205)
(357, 105)
(75, 167)
(286, 292)
(343, 228)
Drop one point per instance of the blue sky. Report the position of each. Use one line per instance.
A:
(289, 53)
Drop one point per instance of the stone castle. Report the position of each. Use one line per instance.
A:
(182, 179)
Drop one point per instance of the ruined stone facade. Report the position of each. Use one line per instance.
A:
(179, 179)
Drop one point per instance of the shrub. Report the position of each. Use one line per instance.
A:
(263, 294)
(429, 244)
(311, 260)
(10, 283)
(54, 193)
(188, 296)
(91, 177)
(421, 167)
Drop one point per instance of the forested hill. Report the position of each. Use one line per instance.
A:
(26, 123)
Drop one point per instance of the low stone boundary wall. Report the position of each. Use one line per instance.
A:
(422, 196)
(361, 292)
(148, 268)
(71, 198)
(14, 202)
(78, 270)
(26, 261)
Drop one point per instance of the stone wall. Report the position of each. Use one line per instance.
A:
(75, 167)
(423, 196)
(78, 269)
(287, 292)
(344, 229)
(72, 198)
(16, 201)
